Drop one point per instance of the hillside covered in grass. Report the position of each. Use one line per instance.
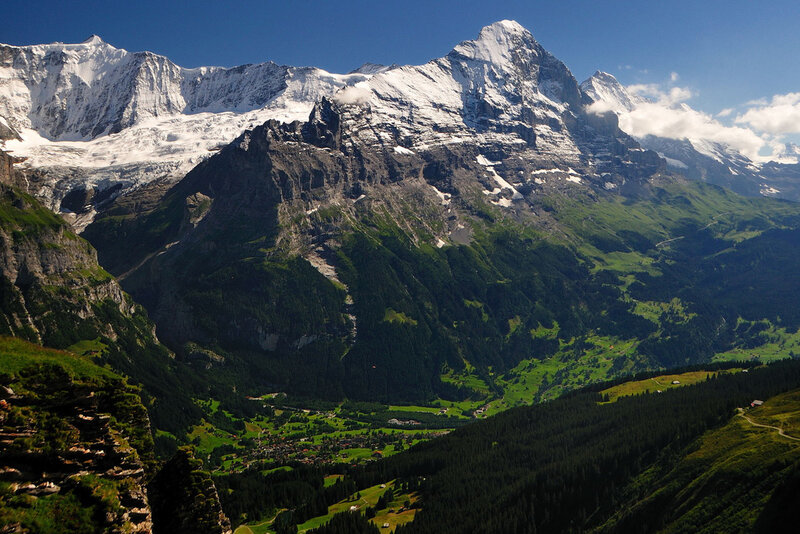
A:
(680, 460)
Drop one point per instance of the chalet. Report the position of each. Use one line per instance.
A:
(756, 403)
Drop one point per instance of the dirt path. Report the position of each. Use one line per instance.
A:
(780, 430)
(244, 529)
(713, 221)
(669, 241)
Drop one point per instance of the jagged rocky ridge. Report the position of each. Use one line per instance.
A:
(96, 121)
(96, 118)
(502, 88)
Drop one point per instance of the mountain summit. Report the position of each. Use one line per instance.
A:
(335, 214)
(496, 42)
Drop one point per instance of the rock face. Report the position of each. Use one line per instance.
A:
(7, 174)
(52, 285)
(99, 119)
(54, 293)
(185, 499)
(72, 439)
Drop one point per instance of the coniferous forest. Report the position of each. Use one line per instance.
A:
(575, 464)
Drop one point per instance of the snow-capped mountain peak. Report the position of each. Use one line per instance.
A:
(502, 86)
(608, 94)
(700, 153)
(93, 39)
(121, 119)
(125, 118)
(496, 43)
(372, 68)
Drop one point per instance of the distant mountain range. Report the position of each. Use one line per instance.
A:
(701, 158)
(95, 121)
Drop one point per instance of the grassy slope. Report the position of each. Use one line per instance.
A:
(626, 238)
(369, 497)
(659, 383)
(426, 315)
(734, 475)
(16, 354)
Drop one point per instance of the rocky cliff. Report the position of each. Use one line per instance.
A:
(53, 292)
(75, 445)
(185, 499)
(53, 289)
(76, 453)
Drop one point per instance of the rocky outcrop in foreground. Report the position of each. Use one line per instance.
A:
(75, 445)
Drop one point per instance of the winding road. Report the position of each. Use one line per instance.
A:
(780, 430)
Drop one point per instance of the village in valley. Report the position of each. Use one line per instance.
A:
(283, 433)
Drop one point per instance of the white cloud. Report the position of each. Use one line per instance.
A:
(655, 93)
(780, 116)
(760, 132)
(602, 106)
(663, 112)
(677, 95)
(683, 122)
(649, 90)
(352, 95)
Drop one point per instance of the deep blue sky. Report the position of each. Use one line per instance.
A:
(727, 52)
